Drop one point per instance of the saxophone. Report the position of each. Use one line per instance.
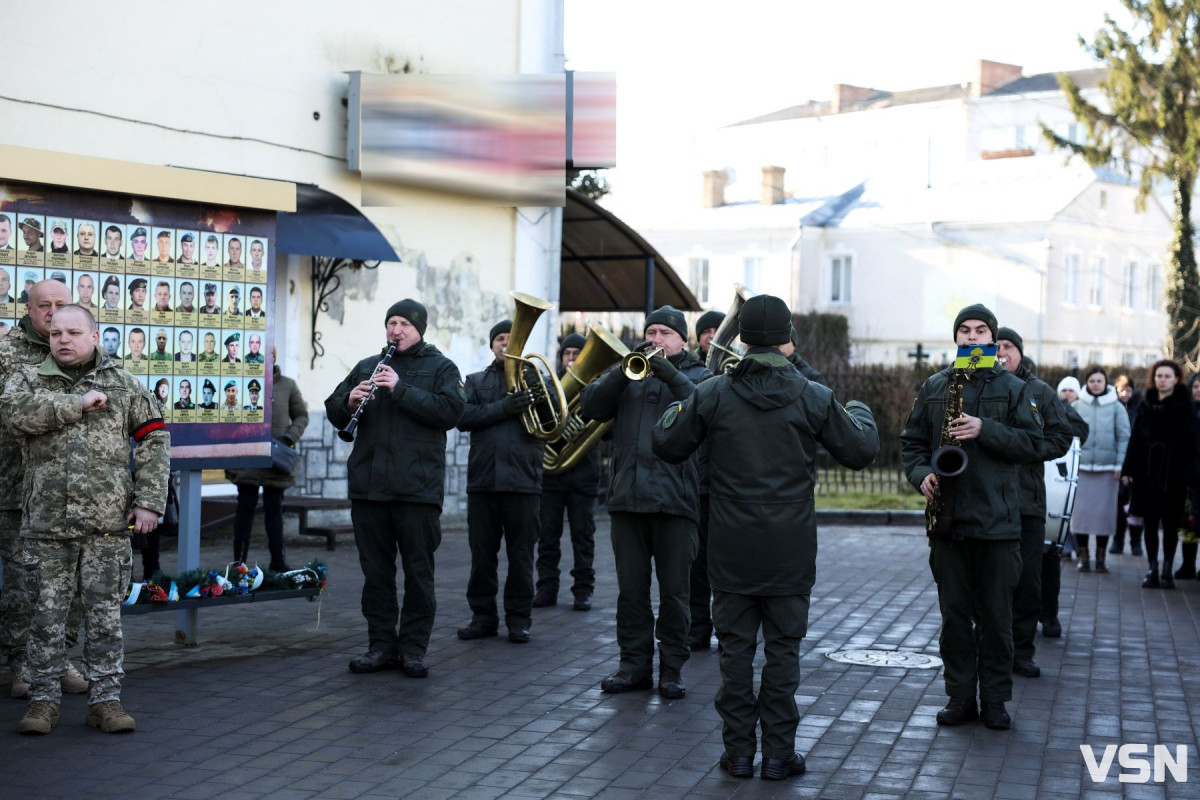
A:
(948, 461)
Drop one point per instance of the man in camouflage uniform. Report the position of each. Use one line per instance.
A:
(75, 414)
(27, 344)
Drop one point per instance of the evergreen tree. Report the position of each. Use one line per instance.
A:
(1151, 123)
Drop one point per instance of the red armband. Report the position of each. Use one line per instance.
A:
(146, 428)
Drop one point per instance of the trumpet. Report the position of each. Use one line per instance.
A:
(347, 434)
(635, 366)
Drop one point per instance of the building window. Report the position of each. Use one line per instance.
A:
(1071, 279)
(1151, 357)
(698, 269)
(1096, 281)
(1071, 359)
(1129, 359)
(1129, 286)
(752, 274)
(841, 279)
(1095, 357)
(1153, 288)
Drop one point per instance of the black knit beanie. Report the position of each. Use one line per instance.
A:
(412, 311)
(503, 326)
(671, 317)
(765, 320)
(975, 311)
(709, 319)
(1012, 336)
(572, 340)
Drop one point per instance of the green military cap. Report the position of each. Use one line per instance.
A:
(210, 288)
(139, 232)
(254, 386)
(233, 337)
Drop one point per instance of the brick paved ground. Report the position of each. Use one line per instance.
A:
(266, 708)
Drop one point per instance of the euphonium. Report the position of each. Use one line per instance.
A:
(601, 350)
(545, 418)
(722, 357)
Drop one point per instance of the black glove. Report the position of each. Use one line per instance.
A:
(662, 369)
(517, 402)
(287, 440)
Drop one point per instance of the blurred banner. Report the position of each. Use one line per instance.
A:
(591, 120)
(499, 139)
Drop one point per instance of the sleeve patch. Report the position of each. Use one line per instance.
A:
(672, 413)
(146, 428)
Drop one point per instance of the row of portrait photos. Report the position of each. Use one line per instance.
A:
(183, 399)
(144, 299)
(28, 240)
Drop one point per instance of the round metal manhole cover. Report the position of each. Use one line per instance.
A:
(886, 658)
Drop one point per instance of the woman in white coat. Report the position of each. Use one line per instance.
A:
(1100, 461)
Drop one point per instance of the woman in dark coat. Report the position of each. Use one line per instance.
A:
(289, 418)
(1156, 464)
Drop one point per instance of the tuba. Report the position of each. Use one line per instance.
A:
(601, 350)
(721, 356)
(544, 419)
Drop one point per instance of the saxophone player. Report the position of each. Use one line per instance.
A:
(976, 567)
(396, 484)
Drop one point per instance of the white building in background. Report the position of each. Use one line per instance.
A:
(254, 89)
(897, 209)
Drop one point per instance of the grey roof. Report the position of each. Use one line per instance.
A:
(1043, 82)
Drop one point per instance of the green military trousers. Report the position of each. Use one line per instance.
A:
(976, 578)
(784, 622)
(670, 541)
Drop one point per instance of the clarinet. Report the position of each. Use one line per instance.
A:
(347, 433)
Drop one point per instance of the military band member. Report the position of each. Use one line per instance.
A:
(654, 508)
(762, 535)
(791, 351)
(1056, 440)
(76, 402)
(706, 328)
(573, 492)
(504, 484)
(397, 483)
(978, 566)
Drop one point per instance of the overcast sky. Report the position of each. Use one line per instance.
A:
(685, 67)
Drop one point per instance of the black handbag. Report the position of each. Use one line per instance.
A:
(283, 457)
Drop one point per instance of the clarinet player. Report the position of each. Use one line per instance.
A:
(977, 564)
(396, 479)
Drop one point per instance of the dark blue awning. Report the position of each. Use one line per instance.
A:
(326, 225)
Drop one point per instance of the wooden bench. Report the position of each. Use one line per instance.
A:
(302, 505)
(330, 533)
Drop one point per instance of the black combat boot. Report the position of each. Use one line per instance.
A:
(1187, 570)
(958, 711)
(1151, 579)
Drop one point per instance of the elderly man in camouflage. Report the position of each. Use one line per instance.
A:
(27, 344)
(75, 414)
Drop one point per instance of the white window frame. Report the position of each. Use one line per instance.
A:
(1153, 287)
(1097, 267)
(699, 270)
(1071, 359)
(753, 272)
(1095, 357)
(1071, 276)
(1129, 285)
(841, 279)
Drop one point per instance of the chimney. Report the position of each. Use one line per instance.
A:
(714, 188)
(991, 75)
(772, 185)
(845, 96)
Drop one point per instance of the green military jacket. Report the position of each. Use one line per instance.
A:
(988, 496)
(22, 347)
(78, 480)
(763, 423)
(1057, 433)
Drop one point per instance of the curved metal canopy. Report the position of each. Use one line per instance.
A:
(605, 264)
(326, 225)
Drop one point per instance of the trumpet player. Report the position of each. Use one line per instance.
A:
(396, 483)
(654, 507)
(504, 487)
(976, 567)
